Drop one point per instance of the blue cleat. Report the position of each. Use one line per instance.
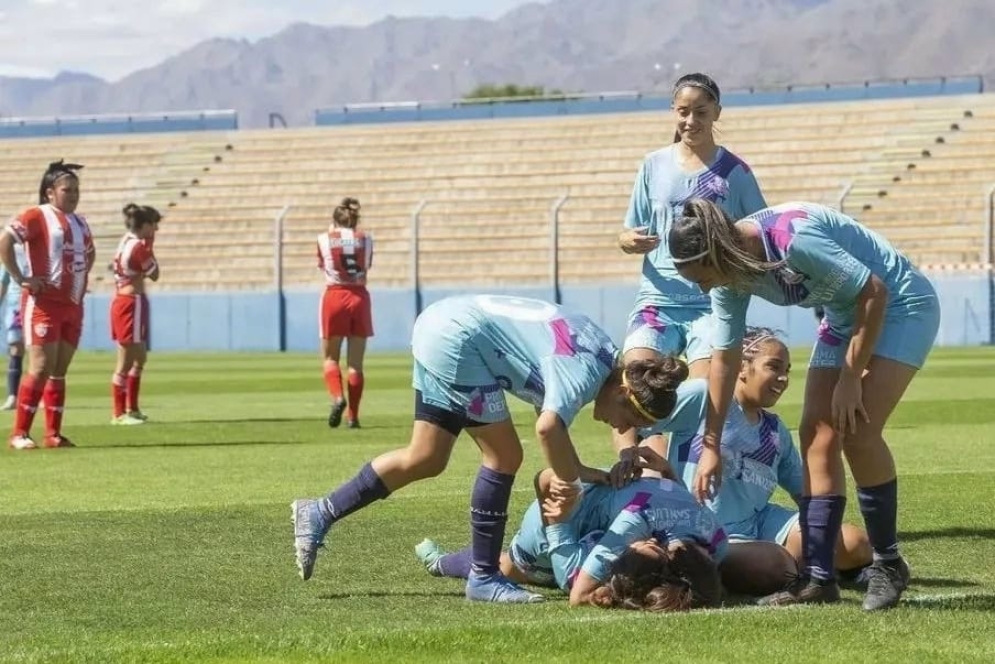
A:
(309, 534)
(430, 553)
(496, 588)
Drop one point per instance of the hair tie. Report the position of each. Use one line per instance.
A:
(756, 342)
(697, 84)
(635, 402)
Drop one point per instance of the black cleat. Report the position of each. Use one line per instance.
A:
(353, 424)
(803, 590)
(335, 415)
(886, 581)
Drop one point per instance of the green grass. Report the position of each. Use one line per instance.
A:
(172, 542)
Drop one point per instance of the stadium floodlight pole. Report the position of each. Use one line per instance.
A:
(847, 188)
(278, 248)
(281, 316)
(415, 278)
(988, 253)
(554, 246)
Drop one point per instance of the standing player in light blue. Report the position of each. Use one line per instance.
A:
(648, 545)
(10, 296)
(881, 319)
(671, 314)
(758, 455)
(468, 351)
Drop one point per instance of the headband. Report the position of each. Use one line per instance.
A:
(690, 259)
(756, 342)
(697, 84)
(635, 402)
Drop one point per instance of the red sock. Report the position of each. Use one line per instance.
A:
(333, 380)
(355, 393)
(54, 397)
(134, 384)
(28, 397)
(119, 394)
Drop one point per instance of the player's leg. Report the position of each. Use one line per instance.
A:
(15, 352)
(54, 395)
(756, 568)
(42, 346)
(355, 353)
(501, 452)
(333, 327)
(139, 355)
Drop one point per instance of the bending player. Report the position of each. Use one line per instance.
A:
(468, 351)
(881, 318)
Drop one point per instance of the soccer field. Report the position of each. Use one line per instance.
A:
(172, 541)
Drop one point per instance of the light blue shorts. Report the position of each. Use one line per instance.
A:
(480, 403)
(670, 331)
(12, 322)
(907, 336)
(771, 524)
(529, 549)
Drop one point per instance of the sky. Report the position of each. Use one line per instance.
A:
(112, 38)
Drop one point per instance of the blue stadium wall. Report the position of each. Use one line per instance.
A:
(273, 322)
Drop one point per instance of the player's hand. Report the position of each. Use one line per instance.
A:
(555, 511)
(565, 494)
(33, 285)
(627, 468)
(848, 403)
(636, 241)
(708, 477)
(651, 460)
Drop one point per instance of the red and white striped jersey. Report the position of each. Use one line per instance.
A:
(59, 248)
(345, 256)
(134, 258)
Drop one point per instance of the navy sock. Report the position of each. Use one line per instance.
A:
(820, 520)
(488, 516)
(456, 564)
(14, 374)
(879, 506)
(365, 488)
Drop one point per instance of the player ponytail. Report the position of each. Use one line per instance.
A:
(687, 579)
(137, 216)
(705, 235)
(653, 384)
(55, 172)
(346, 213)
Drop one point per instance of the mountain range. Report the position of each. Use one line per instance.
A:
(573, 45)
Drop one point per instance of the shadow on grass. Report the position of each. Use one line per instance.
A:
(953, 532)
(963, 602)
(932, 582)
(373, 594)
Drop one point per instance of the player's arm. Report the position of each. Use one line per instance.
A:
(594, 571)
(146, 262)
(812, 252)
(557, 447)
(7, 256)
(747, 191)
(638, 235)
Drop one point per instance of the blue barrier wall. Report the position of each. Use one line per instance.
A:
(584, 104)
(119, 124)
(251, 321)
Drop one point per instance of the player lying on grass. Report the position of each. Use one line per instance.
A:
(648, 545)
(468, 351)
(758, 455)
(881, 318)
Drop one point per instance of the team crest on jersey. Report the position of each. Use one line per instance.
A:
(40, 329)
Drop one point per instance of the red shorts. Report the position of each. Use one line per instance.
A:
(50, 322)
(130, 319)
(345, 312)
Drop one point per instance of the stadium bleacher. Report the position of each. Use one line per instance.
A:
(916, 169)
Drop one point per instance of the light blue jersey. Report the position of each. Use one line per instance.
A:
(661, 189)
(756, 459)
(603, 525)
(12, 299)
(470, 349)
(827, 259)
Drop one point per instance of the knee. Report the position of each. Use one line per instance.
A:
(426, 466)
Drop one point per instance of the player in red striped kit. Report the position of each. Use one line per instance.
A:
(134, 262)
(345, 255)
(60, 253)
